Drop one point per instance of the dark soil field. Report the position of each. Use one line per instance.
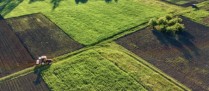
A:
(41, 36)
(30, 82)
(184, 57)
(13, 56)
(185, 4)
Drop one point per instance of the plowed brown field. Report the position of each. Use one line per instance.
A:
(13, 55)
(41, 36)
(185, 57)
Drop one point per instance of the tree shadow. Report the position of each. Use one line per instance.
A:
(55, 3)
(1, 17)
(186, 39)
(38, 70)
(108, 1)
(32, 1)
(183, 42)
(8, 5)
(81, 1)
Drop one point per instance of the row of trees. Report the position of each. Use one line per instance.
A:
(167, 24)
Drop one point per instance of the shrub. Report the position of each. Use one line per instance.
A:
(167, 24)
(162, 20)
(168, 17)
(153, 22)
(179, 27)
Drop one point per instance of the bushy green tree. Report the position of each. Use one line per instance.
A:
(153, 22)
(167, 24)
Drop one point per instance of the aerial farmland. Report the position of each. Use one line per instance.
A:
(104, 45)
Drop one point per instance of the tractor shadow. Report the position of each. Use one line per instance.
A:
(183, 42)
(37, 71)
(108, 1)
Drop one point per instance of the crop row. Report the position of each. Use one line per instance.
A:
(13, 55)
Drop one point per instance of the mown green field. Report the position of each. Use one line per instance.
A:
(197, 15)
(94, 20)
(204, 5)
(107, 67)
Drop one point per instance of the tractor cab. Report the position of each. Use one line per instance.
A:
(43, 60)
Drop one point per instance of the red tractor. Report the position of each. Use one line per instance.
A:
(43, 60)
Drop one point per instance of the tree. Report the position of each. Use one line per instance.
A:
(153, 22)
(167, 24)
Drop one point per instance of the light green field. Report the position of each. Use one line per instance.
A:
(93, 21)
(88, 71)
(198, 15)
(204, 5)
(107, 67)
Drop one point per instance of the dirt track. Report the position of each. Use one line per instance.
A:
(41, 36)
(13, 56)
(186, 57)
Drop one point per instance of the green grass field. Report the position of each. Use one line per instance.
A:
(204, 5)
(107, 67)
(88, 71)
(93, 21)
(197, 16)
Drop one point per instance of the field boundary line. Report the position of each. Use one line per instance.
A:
(110, 38)
(139, 82)
(17, 74)
(31, 69)
(60, 28)
(23, 44)
(121, 33)
(155, 69)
